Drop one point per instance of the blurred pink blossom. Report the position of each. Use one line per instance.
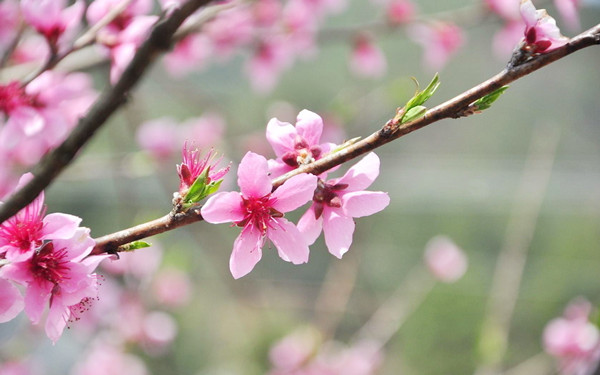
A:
(294, 350)
(231, 29)
(141, 264)
(172, 287)
(337, 202)
(508, 38)
(9, 20)
(160, 329)
(400, 12)
(267, 12)
(53, 19)
(569, 12)
(507, 9)
(440, 40)
(541, 33)
(573, 339)
(15, 368)
(105, 358)
(446, 261)
(190, 54)
(367, 59)
(260, 213)
(159, 137)
(205, 131)
(11, 301)
(271, 57)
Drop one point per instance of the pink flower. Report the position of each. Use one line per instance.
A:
(11, 301)
(190, 54)
(9, 20)
(267, 12)
(159, 137)
(507, 9)
(271, 57)
(568, 10)
(445, 260)
(172, 287)
(60, 276)
(400, 12)
(573, 340)
(439, 40)
(296, 145)
(105, 358)
(260, 213)
(231, 29)
(367, 59)
(336, 202)
(541, 33)
(24, 233)
(205, 131)
(52, 18)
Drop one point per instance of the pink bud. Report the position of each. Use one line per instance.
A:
(367, 59)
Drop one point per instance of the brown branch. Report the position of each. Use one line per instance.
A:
(111, 242)
(45, 172)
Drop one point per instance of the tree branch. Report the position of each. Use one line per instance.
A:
(51, 166)
(389, 132)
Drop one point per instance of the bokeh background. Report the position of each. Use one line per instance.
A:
(522, 178)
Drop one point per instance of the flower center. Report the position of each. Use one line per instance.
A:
(327, 195)
(50, 265)
(24, 232)
(259, 212)
(13, 96)
(302, 153)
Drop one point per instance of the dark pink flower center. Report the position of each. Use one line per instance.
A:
(49, 264)
(13, 96)
(301, 154)
(327, 195)
(24, 231)
(259, 213)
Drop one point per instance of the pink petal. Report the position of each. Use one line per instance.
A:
(246, 252)
(362, 174)
(56, 321)
(310, 126)
(253, 177)
(78, 246)
(338, 232)
(92, 262)
(528, 13)
(364, 203)
(281, 136)
(37, 296)
(223, 208)
(278, 168)
(11, 301)
(309, 226)
(290, 243)
(60, 226)
(294, 192)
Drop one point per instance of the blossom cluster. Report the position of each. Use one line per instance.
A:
(259, 210)
(47, 255)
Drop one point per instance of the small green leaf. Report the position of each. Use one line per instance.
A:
(413, 113)
(212, 188)
(134, 245)
(422, 96)
(486, 101)
(196, 191)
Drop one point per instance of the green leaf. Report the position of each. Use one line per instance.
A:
(196, 191)
(486, 101)
(422, 96)
(413, 114)
(212, 188)
(134, 245)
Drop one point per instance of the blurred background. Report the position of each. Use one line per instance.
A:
(517, 184)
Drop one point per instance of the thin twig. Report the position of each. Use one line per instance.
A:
(53, 164)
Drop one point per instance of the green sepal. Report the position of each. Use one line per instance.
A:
(422, 96)
(195, 192)
(134, 246)
(413, 113)
(486, 101)
(212, 188)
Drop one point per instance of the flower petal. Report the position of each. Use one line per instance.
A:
(56, 321)
(36, 299)
(362, 174)
(11, 301)
(309, 226)
(59, 226)
(364, 203)
(310, 126)
(290, 243)
(78, 246)
(253, 176)
(223, 208)
(281, 136)
(294, 192)
(247, 251)
(338, 232)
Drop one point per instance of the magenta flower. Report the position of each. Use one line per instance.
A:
(58, 275)
(296, 146)
(541, 33)
(337, 202)
(260, 213)
(24, 233)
